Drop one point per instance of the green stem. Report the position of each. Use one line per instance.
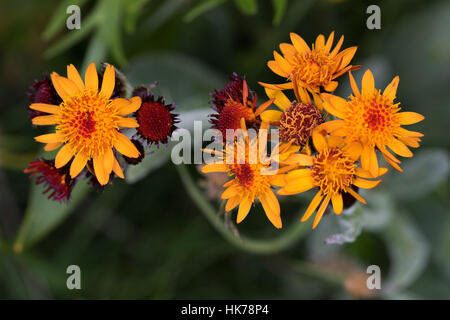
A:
(287, 239)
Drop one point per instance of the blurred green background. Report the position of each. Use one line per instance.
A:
(155, 236)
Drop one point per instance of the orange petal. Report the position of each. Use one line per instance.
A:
(91, 77)
(365, 184)
(44, 107)
(406, 118)
(338, 203)
(244, 209)
(273, 65)
(63, 156)
(100, 171)
(72, 74)
(271, 207)
(44, 120)
(312, 206)
(399, 148)
(127, 123)
(391, 89)
(368, 83)
(125, 146)
(49, 138)
(109, 80)
(117, 169)
(78, 164)
(299, 44)
(127, 106)
(321, 211)
(355, 89)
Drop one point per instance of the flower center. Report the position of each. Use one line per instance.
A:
(88, 122)
(333, 171)
(231, 114)
(298, 122)
(155, 121)
(371, 118)
(314, 68)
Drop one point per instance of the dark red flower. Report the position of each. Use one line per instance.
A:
(155, 118)
(42, 91)
(56, 181)
(233, 102)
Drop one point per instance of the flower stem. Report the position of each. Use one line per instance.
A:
(284, 241)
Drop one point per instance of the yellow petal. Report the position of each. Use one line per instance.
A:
(338, 204)
(109, 80)
(331, 86)
(244, 209)
(78, 164)
(69, 86)
(312, 206)
(63, 156)
(91, 77)
(44, 107)
(44, 120)
(321, 211)
(271, 116)
(406, 118)
(353, 150)
(99, 168)
(301, 159)
(72, 74)
(125, 146)
(332, 125)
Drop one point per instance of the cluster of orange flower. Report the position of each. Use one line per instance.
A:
(327, 143)
(93, 122)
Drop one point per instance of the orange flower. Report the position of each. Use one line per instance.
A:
(251, 171)
(333, 171)
(87, 123)
(373, 119)
(311, 68)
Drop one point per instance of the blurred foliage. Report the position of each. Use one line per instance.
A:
(156, 235)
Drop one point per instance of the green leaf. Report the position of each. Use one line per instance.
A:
(201, 8)
(408, 250)
(133, 9)
(247, 7)
(43, 215)
(422, 174)
(279, 7)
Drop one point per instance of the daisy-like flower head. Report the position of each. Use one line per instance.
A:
(296, 119)
(87, 123)
(57, 181)
(156, 119)
(333, 171)
(234, 102)
(374, 120)
(311, 68)
(251, 172)
(42, 91)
